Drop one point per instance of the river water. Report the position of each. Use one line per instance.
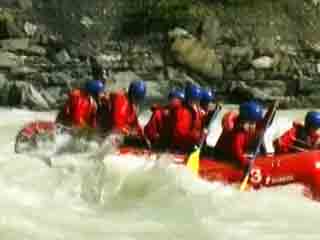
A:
(98, 195)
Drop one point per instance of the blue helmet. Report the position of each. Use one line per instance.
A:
(207, 96)
(137, 90)
(176, 93)
(193, 92)
(251, 111)
(94, 87)
(312, 119)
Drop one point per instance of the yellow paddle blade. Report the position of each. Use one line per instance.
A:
(244, 183)
(193, 161)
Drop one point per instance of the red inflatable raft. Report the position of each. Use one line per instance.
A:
(303, 167)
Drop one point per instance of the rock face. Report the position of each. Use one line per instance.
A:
(275, 57)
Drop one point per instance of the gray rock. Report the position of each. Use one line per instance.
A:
(248, 75)
(122, 80)
(52, 102)
(24, 94)
(242, 52)
(35, 100)
(264, 62)
(62, 57)
(60, 79)
(4, 88)
(8, 60)
(22, 71)
(195, 55)
(36, 50)
(15, 44)
(262, 90)
(156, 90)
(210, 31)
(307, 87)
(30, 29)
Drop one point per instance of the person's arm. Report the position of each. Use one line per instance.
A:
(286, 141)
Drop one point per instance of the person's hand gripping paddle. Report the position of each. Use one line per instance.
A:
(193, 161)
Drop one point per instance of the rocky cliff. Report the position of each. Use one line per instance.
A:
(245, 49)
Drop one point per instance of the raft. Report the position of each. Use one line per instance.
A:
(268, 170)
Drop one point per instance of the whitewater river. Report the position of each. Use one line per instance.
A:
(99, 195)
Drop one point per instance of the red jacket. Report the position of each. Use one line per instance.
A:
(158, 129)
(79, 111)
(122, 114)
(296, 138)
(187, 127)
(234, 143)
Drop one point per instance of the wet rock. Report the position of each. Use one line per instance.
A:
(14, 44)
(264, 62)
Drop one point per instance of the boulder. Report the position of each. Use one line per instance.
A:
(14, 44)
(264, 62)
(24, 94)
(195, 55)
(9, 60)
(261, 90)
(62, 57)
(30, 29)
(36, 50)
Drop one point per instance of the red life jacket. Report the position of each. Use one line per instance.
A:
(234, 143)
(229, 121)
(122, 114)
(187, 127)
(158, 129)
(79, 110)
(297, 137)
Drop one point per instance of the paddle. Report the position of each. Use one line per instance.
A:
(193, 159)
(260, 140)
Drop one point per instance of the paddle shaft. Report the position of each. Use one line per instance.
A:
(256, 152)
